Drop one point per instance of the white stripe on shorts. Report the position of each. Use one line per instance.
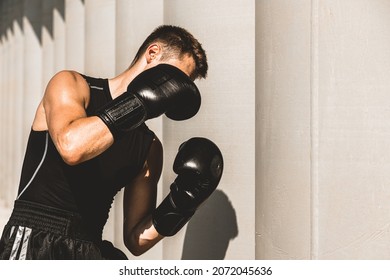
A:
(26, 238)
(22, 233)
(18, 239)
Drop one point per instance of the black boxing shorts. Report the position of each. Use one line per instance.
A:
(35, 231)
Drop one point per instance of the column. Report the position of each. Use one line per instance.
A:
(224, 227)
(2, 91)
(5, 96)
(47, 41)
(100, 37)
(32, 71)
(130, 32)
(353, 116)
(283, 171)
(59, 35)
(322, 130)
(53, 38)
(75, 35)
(100, 57)
(17, 107)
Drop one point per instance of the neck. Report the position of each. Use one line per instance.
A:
(118, 84)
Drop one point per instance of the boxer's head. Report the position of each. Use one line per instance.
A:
(175, 43)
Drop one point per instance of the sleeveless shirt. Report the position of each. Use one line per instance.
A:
(87, 188)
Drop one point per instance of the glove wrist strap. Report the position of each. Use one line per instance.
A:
(123, 114)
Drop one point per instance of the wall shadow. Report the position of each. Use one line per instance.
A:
(38, 12)
(210, 230)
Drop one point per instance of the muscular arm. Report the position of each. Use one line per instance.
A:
(76, 136)
(139, 201)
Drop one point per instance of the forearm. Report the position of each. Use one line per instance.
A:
(82, 139)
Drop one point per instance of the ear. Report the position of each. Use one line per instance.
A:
(153, 52)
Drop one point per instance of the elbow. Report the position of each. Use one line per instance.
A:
(134, 248)
(141, 239)
(137, 245)
(136, 252)
(68, 148)
(71, 159)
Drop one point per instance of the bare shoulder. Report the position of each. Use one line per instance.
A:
(67, 84)
(67, 75)
(66, 90)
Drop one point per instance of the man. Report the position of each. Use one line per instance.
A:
(88, 140)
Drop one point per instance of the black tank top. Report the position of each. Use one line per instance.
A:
(87, 188)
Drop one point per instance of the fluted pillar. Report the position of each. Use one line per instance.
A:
(14, 104)
(223, 227)
(59, 35)
(18, 92)
(2, 92)
(323, 129)
(11, 49)
(32, 70)
(100, 56)
(100, 37)
(75, 35)
(130, 32)
(47, 41)
(283, 140)
(7, 52)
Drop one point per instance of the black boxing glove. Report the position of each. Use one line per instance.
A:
(158, 90)
(199, 165)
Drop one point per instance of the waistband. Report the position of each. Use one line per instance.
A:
(48, 219)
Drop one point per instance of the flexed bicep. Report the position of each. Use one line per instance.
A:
(76, 136)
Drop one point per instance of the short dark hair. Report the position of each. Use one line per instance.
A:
(177, 42)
